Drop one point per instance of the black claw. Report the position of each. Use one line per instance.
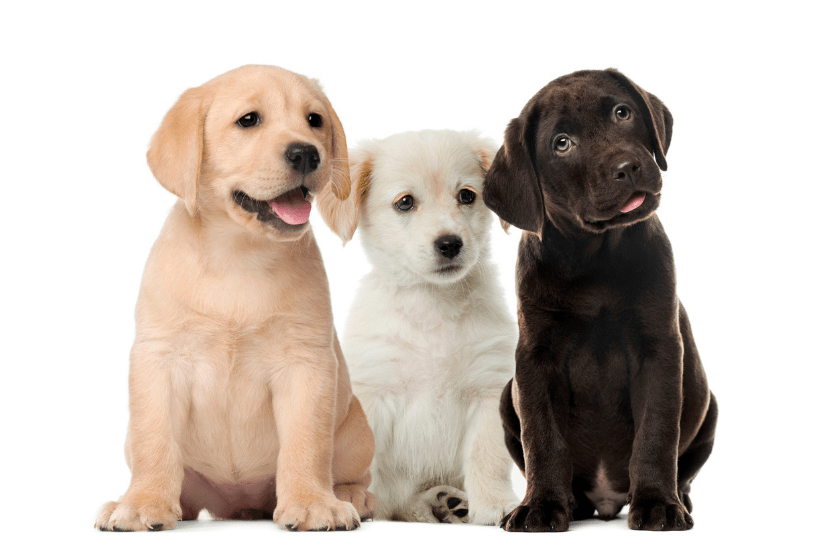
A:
(118, 530)
(156, 527)
(452, 502)
(441, 495)
(291, 527)
(552, 526)
(460, 512)
(679, 523)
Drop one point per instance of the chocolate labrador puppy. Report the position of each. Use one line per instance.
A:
(609, 404)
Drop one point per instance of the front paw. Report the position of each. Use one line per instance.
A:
(650, 510)
(540, 516)
(326, 514)
(137, 514)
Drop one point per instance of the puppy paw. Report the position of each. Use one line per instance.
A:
(539, 516)
(137, 515)
(444, 504)
(651, 511)
(328, 514)
(364, 501)
(491, 512)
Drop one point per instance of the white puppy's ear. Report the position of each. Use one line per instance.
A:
(342, 215)
(486, 151)
(176, 149)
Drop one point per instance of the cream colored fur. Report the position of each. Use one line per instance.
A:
(240, 400)
(428, 353)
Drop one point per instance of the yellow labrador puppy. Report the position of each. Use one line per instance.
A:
(240, 399)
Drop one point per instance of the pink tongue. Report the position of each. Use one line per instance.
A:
(633, 203)
(291, 207)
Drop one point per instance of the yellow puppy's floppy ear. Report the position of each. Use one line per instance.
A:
(340, 174)
(342, 215)
(176, 149)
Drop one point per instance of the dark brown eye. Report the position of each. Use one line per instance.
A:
(405, 204)
(249, 120)
(315, 120)
(562, 144)
(622, 112)
(466, 196)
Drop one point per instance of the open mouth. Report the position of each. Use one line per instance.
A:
(291, 208)
(627, 213)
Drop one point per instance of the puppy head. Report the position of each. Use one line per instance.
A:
(252, 146)
(418, 199)
(586, 149)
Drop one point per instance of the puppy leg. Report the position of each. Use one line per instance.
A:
(548, 501)
(304, 398)
(512, 428)
(656, 402)
(441, 504)
(152, 500)
(351, 461)
(689, 463)
(488, 467)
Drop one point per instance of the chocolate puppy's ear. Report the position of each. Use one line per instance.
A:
(511, 188)
(656, 115)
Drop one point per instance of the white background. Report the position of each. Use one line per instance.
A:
(750, 204)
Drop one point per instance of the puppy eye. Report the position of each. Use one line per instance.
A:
(405, 204)
(562, 144)
(249, 120)
(622, 112)
(315, 120)
(466, 196)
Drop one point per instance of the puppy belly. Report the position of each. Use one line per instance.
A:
(422, 440)
(607, 501)
(243, 500)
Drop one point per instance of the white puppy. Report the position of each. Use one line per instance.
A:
(429, 342)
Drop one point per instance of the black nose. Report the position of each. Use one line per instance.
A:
(302, 157)
(626, 170)
(449, 245)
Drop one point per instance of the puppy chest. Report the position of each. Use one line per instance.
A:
(426, 434)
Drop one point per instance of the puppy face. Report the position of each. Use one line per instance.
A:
(418, 197)
(584, 150)
(252, 146)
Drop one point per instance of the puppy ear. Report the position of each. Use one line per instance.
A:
(340, 173)
(486, 151)
(176, 149)
(655, 114)
(342, 215)
(511, 188)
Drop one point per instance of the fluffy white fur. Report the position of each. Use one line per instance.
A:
(429, 352)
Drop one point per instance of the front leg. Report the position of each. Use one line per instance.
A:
(152, 501)
(543, 408)
(488, 467)
(304, 399)
(656, 400)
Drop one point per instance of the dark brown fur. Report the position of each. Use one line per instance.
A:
(611, 391)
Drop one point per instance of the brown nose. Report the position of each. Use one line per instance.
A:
(626, 170)
(302, 157)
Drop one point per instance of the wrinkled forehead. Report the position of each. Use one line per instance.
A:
(579, 104)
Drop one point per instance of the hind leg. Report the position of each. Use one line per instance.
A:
(352, 456)
(689, 463)
(512, 428)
